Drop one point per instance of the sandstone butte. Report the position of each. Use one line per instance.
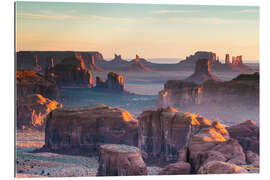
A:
(29, 82)
(83, 130)
(137, 66)
(114, 83)
(71, 72)
(32, 111)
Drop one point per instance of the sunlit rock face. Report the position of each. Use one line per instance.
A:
(28, 82)
(219, 167)
(114, 82)
(247, 134)
(82, 130)
(163, 132)
(71, 72)
(32, 111)
(120, 160)
(214, 143)
(202, 72)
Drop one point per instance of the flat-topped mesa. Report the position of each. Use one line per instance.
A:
(71, 72)
(165, 131)
(239, 94)
(120, 160)
(29, 82)
(32, 111)
(202, 72)
(83, 130)
(115, 82)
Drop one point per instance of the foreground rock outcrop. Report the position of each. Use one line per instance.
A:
(32, 111)
(115, 83)
(71, 72)
(219, 167)
(202, 72)
(247, 134)
(28, 82)
(120, 160)
(163, 132)
(180, 167)
(83, 130)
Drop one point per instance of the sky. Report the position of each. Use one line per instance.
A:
(149, 30)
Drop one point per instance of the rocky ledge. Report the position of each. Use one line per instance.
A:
(29, 82)
(120, 160)
(71, 72)
(32, 111)
(83, 130)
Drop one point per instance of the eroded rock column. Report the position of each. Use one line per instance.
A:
(120, 160)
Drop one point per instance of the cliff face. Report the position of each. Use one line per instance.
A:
(114, 82)
(27, 59)
(163, 132)
(71, 72)
(29, 82)
(239, 94)
(82, 130)
(32, 111)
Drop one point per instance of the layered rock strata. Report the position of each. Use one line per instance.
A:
(120, 160)
(83, 130)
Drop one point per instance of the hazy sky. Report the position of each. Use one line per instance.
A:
(152, 31)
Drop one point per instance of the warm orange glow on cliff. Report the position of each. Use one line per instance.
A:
(37, 119)
(164, 93)
(127, 116)
(214, 136)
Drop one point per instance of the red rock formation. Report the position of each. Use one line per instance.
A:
(219, 167)
(28, 82)
(32, 111)
(82, 130)
(202, 72)
(211, 98)
(72, 72)
(253, 158)
(176, 168)
(115, 82)
(93, 66)
(247, 134)
(137, 66)
(163, 132)
(120, 160)
(227, 59)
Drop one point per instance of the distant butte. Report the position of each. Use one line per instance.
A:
(137, 66)
(202, 72)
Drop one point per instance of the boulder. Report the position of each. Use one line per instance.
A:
(205, 140)
(71, 72)
(253, 158)
(29, 82)
(247, 134)
(165, 131)
(180, 167)
(120, 160)
(32, 111)
(219, 167)
(202, 72)
(114, 82)
(83, 130)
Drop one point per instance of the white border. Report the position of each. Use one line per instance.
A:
(7, 85)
